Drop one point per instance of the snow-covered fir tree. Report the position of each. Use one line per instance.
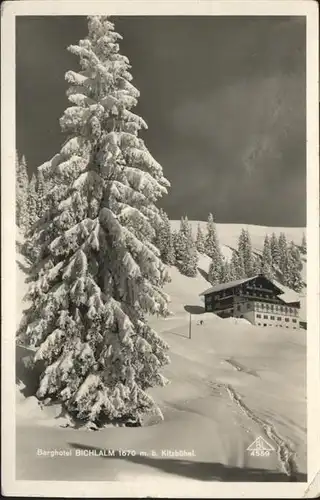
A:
(275, 250)
(283, 250)
(304, 244)
(185, 249)
(245, 251)
(32, 202)
(97, 276)
(237, 265)
(42, 194)
(212, 249)
(180, 239)
(293, 267)
(189, 263)
(211, 239)
(266, 263)
(225, 275)
(256, 265)
(214, 273)
(164, 239)
(232, 269)
(179, 242)
(22, 185)
(200, 241)
(174, 236)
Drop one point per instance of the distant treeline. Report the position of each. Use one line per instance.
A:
(280, 259)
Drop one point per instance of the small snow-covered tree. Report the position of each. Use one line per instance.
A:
(185, 249)
(22, 185)
(245, 251)
(256, 265)
(275, 250)
(266, 263)
(304, 244)
(200, 241)
(164, 239)
(32, 202)
(293, 266)
(226, 275)
(180, 239)
(214, 274)
(237, 265)
(169, 255)
(42, 194)
(211, 240)
(212, 249)
(232, 267)
(98, 274)
(174, 236)
(283, 251)
(189, 263)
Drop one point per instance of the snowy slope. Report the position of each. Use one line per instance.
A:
(229, 384)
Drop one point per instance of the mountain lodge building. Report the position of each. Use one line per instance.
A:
(257, 299)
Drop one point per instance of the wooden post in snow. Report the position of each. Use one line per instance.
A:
(190, 326)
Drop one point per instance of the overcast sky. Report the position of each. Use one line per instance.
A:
(224, 99)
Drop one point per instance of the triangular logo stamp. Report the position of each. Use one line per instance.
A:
(260, 444)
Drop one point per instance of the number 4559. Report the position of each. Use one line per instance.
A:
(259, 453)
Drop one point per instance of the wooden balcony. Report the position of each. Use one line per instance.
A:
(257, 298)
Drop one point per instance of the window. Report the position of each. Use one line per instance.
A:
(291, 310)
(272, 317)
(286, 320)
(294, 320)
(258, 315)
(209, 307)
(248, 306)
(265, 316)
(281, 309)
(259, 324)
(239, 308)
(279, 318)
(272, 307)
(264, 324)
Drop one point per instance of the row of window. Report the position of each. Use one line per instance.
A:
(286, 310)
(265, 324)
(279, 318)
(277, 308)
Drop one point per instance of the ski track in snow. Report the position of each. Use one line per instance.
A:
(284, 452)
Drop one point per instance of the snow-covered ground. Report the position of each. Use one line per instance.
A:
(229, 384)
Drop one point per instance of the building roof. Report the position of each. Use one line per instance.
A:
(283, 291)
(288, 295)
(225, 286)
